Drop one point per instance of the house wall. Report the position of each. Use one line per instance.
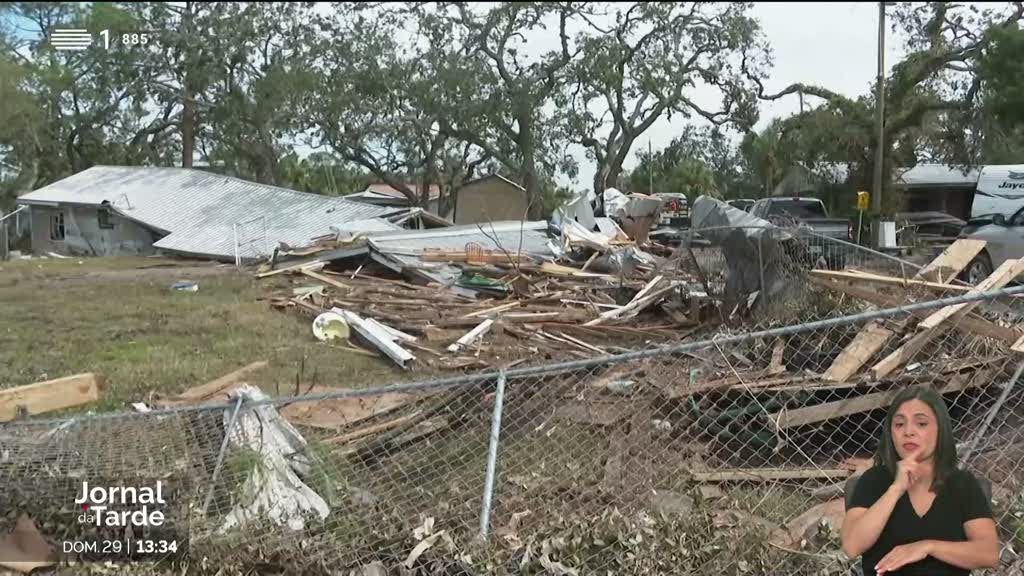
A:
(83, 235)
(489, 200)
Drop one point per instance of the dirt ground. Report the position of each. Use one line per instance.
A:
(119, 317)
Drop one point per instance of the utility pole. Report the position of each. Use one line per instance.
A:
(876, 196)
(650, 168)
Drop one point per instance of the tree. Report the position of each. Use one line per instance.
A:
(493, 97)
(378, 106)
(646, 67)
(80, 108)
(700, 161)
(935, 85)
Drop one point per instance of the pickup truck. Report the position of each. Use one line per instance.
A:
(1004, 240)
(807, 212)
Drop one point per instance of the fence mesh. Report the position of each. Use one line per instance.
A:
(726, 452)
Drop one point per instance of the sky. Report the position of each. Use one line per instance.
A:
(830, 44)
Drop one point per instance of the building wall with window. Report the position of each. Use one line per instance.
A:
(88, 231)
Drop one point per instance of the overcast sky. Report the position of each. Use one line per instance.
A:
(830, 44)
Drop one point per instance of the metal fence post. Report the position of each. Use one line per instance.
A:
(492, 456)
(220, 456)
(979, 434)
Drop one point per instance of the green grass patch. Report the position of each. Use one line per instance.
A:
(120, 318)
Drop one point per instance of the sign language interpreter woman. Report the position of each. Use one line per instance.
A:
(915, 512)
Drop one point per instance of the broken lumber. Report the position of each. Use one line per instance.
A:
(865, 403)
(220, 386)
(373, 429)
(887, 280)
(776, 366)
(905, 353)
(334, 413)
(50, 395)
(634, 307)
(769, 474)
(970, 323)
(394, 333)
(1003, 275)
(471, 336)
(325, 279)
(866, 344)
(314, 265)
(494, 310)
(378, 337)
(568, 271)
(1018, 346)
(952, 261)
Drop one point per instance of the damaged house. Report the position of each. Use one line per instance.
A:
(114, 210)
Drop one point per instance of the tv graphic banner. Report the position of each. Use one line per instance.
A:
(93, 519)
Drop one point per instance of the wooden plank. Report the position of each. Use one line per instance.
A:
(770, 474)
(568, 271)
(314, 265)
(1018, 346)
(471, 336)
(952, 261)
(865, 403)
(776, 366)
(374, 429)
(198, 394)
(493, 310)
(866, 344)
(634, 307)
(335, 413)
(970, 323)
(50, 395)
(905, 353)
(1003, 275)
(887, 280)
(325, 279)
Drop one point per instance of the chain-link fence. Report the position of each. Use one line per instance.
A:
(720, 454)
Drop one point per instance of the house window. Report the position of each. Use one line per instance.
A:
(57, 226)
(105, 220)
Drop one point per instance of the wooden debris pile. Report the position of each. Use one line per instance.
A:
(503, 308)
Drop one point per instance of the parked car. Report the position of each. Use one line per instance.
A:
(810, 213)
(1004, 240)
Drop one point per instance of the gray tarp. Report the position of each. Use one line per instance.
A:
(752, 248)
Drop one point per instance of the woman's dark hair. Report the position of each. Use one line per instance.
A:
(945, 446)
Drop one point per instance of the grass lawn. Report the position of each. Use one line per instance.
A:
(119, 317)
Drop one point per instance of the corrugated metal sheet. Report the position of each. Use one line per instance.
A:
(534, 238)
(938, 175)
(403, 248)
(199, 210)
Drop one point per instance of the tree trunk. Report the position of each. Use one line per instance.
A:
(188, 104)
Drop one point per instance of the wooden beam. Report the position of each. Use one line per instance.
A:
(325, 279)
(776, 366)
(1018, 346)
(865, 403)
(471, 336)
(493, 310)
(952, 261)
(905, 353)
(970, 323)
(314, 265)
(50, 395)
(866, 344)
(634, 307)
(887, 280)
(1003, 275)
(770, 474)
(203, 392)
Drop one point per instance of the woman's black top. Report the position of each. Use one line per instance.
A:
(960, 499)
